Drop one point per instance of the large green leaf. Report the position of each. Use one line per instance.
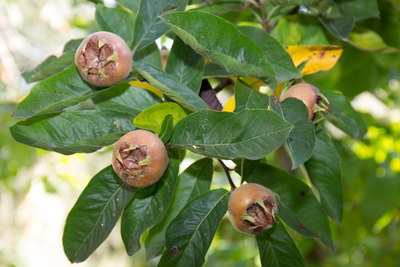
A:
(145, 212)
(193, 181)
(55, 94)
(73, 132)
(338, 26)
(153, 117)
(185, 65)
(172, 88)
(189, 235)
(248, 98)
(324, 171)
(301, 140)
(222, 43)
(344, 116)
(72, 45)
(149, 54)
(251, 134)
(299, 208)
(214, 70)
(148, 26)
(366, 39)
(126, 98)
(59, 64)
(116, 20)
(28, 74)
(278, 57)
(167, 128)
(277, 248)
(130, 4)
(95, 214)
(358, 9)
(293, 2)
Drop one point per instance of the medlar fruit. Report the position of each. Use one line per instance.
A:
(103, 59)
(305, 92)
(252, 208)
(139, 158)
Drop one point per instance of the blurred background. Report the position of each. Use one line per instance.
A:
(38, 188)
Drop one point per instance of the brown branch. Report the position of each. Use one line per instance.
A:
(228, 175)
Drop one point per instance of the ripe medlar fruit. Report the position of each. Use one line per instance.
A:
(103, 59)
(305, 92)
(139, 158)
(252, 208)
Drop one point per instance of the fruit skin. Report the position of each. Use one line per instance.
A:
(245, 198)
(139, 158)
(305, 92)
(103, 59)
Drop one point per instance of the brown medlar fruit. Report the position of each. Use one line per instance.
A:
(139, 158)
(252, 208)
(103, 59)
(305, 92)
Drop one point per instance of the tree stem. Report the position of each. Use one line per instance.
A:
(228, 175)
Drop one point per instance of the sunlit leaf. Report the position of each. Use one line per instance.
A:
(338, 26)
(147, 86)
(369, 40)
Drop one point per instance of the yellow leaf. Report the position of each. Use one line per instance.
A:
(253, 82)
(230, 105)
(321, 57)
(147, 86)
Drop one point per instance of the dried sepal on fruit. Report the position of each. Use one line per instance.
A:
(311, 97)
(103, 59)
(252, 208)
(139, 158)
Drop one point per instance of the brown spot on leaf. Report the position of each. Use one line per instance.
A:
(301, 227)
(174, 250)
(302, 193)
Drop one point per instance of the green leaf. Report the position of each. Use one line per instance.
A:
(59, 64)
(148, 27)
(248, 98)
(149, 54)
(301, 140)
(293, 2)
(325, 174)
(73, 132)
(245, 167)
(130, 4)
(344, 116)
(126, 98)
(214, 70)
(251, 134)
(277, 248)
(72, 45)
(227, 47)
(366, 39)
(170, 87)
(28, 74)
(166, 128)
(193, 181)
(189, 235)
(95, 214)
(278, 57)
(153, 117)
(145, 212)
(115, 20)
(338, 26)
(358, 9)
(54, 94)
(299, 208)
(185, 65)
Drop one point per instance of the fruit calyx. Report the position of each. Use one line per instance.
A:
(260, 216)
(98, 59)
(132, 161)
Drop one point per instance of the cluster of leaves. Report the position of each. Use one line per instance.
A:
(181, 211)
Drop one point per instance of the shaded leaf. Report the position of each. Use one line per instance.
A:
(189, 235)
(299, 208)
(115, 20)
(294, 2)
(72, 45)
(227, 46)
(368, 40)
(338, 26)
(214, 70)
(130, 4)
(358, 9)
(301, 140)
(95, 214)
(193, 182)
(148, 27)
(318, 57)
(344, 116)
(278, 57)
(146, 211)
(73, 132)
(28, 74)
(170, 87)
(324, 170)
(251, 134)
(245, 167)
(153, 117)
(149, 54)
(125, 98)
(166, 128)
(277, 248)
(185, 65)
(248, 98)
